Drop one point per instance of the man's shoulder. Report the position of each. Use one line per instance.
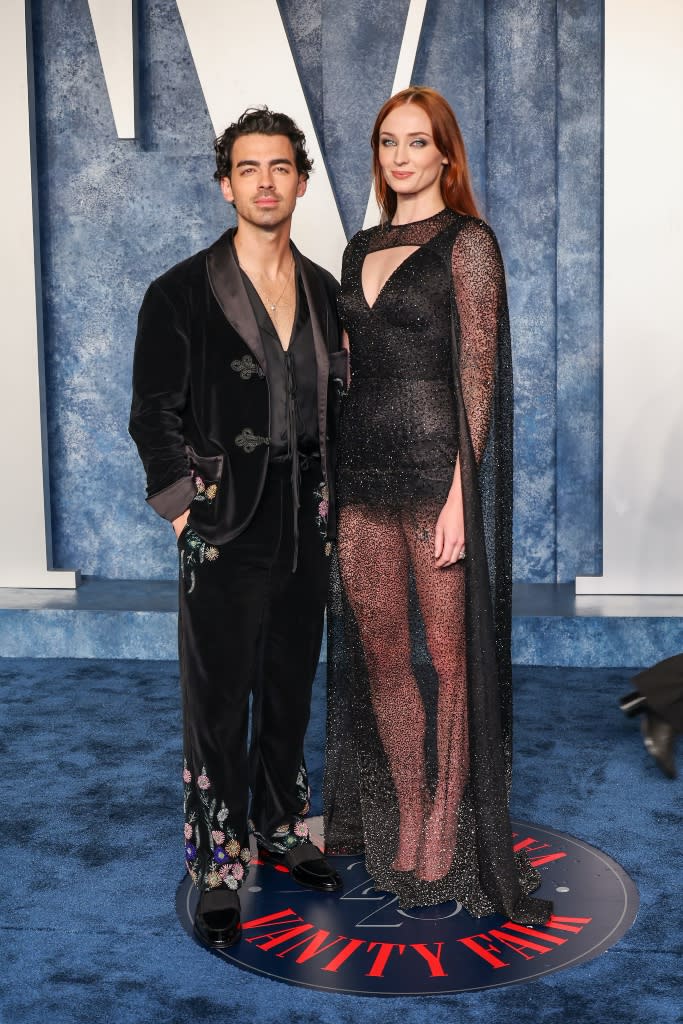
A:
(182, 275)
(189, 273)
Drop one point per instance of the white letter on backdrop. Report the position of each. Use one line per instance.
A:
(243, 59)
(114, 24)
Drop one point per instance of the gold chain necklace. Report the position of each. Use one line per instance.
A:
(273, 306)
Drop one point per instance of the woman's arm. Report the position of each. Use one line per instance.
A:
(479, 284)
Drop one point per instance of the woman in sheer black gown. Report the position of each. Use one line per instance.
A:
(419, 697)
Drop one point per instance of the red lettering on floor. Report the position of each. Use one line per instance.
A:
(486, 952)
(518, 944)
(531, 845)
(344, 954)
(313, 945)
(433, 959)
(271, 918)
(273, 939)
(537, 861)
(385, 951)
(525, 930)
(528, 845)
(567, 924)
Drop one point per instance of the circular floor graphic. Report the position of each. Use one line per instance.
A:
(359, 942)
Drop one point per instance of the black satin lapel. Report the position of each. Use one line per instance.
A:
(228, 287)
(317, 304)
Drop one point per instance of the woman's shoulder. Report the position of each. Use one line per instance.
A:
(356, 248)
(362, 237)
(473, 232)
(473, 243)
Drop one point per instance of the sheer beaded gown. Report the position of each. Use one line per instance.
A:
(419, 689)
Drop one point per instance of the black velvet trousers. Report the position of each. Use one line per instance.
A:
(250, 628)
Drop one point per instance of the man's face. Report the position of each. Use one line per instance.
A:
(264, 184)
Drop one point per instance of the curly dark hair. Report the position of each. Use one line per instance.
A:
(260, 121)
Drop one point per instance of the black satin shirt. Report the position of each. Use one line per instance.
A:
(291, 378)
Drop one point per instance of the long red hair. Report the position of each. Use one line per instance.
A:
(456, 185)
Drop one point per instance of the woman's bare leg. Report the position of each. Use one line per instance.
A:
(373, 559)
(441, 594)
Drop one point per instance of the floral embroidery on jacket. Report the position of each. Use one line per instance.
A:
(250, 441)
(194, 552)
(204, 493)
(213, 853)
(247, 367)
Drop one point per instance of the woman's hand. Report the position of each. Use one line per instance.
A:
(179, 523)
(449, 536)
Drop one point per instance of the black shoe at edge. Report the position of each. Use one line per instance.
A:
(217, 919)
(633, 704)
(659, 739)
(307, 867)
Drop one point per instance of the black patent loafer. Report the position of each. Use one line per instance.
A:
(217, 919)
(307, 867)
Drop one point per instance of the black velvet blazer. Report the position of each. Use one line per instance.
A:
(200, 392)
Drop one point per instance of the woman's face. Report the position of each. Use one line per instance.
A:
(410, 161)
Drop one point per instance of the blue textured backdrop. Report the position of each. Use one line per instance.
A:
(524, 76)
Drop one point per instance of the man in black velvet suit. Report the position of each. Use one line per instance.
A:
(237, 374)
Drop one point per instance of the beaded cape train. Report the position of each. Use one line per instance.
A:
(419, 677)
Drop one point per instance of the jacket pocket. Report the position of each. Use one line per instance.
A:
(208, 467)
(207, 471)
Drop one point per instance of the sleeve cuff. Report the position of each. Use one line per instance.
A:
(175, 499)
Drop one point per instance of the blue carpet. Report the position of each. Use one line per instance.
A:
(91, 847)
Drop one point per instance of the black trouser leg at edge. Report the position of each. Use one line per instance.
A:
(248, 625)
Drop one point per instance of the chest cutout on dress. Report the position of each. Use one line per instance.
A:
(379, 267)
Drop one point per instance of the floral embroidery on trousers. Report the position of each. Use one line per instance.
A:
(193, 552)
(213, 853)
(322, 498)
(295, 831)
